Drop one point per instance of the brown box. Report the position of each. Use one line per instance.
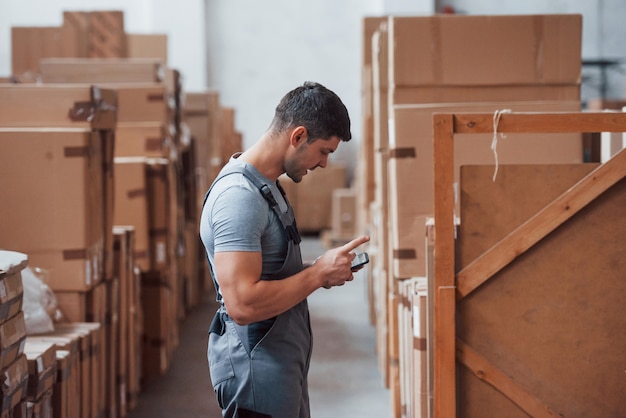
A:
(98, 34)
(344, 214)
(29, 45)
(101, 70)
(201, 112)
(153, 45)
(411, 166)
(80, 106)
(93, 363)
(41, 368)
(147, 139)
(131, 204)
(42, 407)
(11, 288)
(143, 199)
(84, 381)
(421, 392)
(231, 138)
(143, 102)
(156, 296)
(130, 320)
(62, 167)
(12, 338)
(448, 50)
(112, 329)
(83, 306)
(14, 383)
(527, 58)
(123, 271)
(63, 394)
(313, 203)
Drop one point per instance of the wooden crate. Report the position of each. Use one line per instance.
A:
(579, 232)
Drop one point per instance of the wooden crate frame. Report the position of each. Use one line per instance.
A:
(449, 286)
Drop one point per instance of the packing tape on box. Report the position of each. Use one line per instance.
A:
(75, 254)
(405, 254)
(69, 152)
(402, 152)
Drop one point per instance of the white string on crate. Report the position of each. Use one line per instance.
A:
(494, 141)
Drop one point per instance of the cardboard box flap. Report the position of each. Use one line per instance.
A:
(41, 356)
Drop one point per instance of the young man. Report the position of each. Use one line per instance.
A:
(260, 340)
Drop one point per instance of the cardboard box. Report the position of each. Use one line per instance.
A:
(40, 408)
(313, 203)
(123, 271)
(12, 338)
(231, 138)
(94, 364)
(141, 139)
(143, 199)
(98, 34)
(156, 296)
(518, 57)
(61, 167)
(453, 50)
(14, 383)
(344, 214)
(112, 331)
(29, 45)
(63, 395)
(411, 166)
(101, 70)
(153, 45)
(79, 106)
(143, 102)
(131, 204)
(11, 288)
(201, 112)
(421, 392)
(42, 369)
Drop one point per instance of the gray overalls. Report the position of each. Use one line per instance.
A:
(260, 370)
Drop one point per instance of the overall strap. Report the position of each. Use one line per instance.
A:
(283, 209)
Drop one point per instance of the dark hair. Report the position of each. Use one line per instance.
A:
(316, 108)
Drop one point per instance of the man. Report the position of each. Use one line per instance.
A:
(260, 340)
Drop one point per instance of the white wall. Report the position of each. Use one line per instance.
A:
(257, 51)
(182, 21)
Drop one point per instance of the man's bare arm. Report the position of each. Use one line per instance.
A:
(249, 299)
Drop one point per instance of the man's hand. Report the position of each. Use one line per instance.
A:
(334, 265)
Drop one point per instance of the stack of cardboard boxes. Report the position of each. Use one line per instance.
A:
(413, 68)
(13, 361)
(103, 169)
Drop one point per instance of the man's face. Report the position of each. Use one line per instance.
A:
(309, 156)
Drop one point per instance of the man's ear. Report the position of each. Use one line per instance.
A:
(298, 135)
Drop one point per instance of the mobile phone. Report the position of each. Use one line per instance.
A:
(360, 260)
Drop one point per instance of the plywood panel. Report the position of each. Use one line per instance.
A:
(553, 319)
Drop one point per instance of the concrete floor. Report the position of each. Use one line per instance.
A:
(344, 380)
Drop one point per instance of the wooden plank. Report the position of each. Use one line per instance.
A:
(503, 383)
(558, 122)
(444, 378)
(544, 222)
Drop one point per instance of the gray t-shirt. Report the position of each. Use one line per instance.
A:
(236, 217)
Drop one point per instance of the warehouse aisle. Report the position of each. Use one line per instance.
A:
(344, 379)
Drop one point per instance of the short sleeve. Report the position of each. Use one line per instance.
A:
(239, 217)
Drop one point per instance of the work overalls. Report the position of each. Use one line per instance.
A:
(265, 377)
